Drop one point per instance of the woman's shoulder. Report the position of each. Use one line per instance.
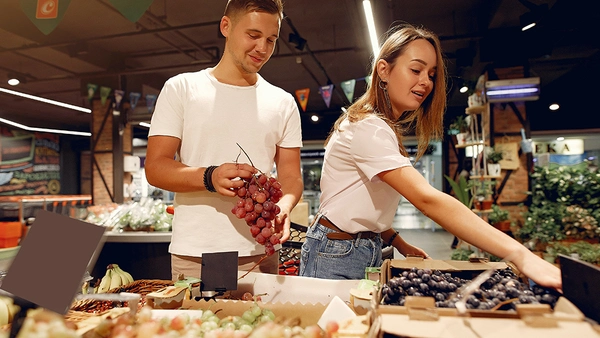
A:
(372, 121)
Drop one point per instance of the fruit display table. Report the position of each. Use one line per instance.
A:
(143, 254)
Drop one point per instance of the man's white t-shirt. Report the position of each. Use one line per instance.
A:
(211, 119)
(352, 195)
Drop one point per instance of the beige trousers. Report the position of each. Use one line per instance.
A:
(192, 266)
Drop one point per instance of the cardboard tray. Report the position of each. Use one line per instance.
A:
(565, 321)
(464, 269)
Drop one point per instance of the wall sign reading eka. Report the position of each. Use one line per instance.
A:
(29, 163)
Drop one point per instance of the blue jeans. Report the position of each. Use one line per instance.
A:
(322, 257)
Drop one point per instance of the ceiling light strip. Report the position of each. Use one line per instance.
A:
(45, 130)
(41, 99)
(512, 91)
(371, 25)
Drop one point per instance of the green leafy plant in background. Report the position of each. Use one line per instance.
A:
(543, 224)
(563, 205)
(492, 155)
(579, 223)
(462, 190)
(460, 124)
(587, 252)
(461, 254)
(497, 215)
(481, 188)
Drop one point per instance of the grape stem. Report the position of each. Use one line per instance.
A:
(245, 153)
(248, 157)
(254, 267)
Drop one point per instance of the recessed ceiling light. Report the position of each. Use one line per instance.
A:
(463, 89)
(314, 118)
(531, 25)
(554, 106)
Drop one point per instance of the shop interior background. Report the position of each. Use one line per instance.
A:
(321, 43)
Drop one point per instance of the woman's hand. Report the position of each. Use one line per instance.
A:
(540, 271)
(408, 249)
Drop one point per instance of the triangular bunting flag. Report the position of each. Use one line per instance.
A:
(302, 96)
(132, 9)
(348, 88)
(104, 92)
(91, 89)
(118, 97)
(326, 93)
(150, 101)
(45, 14)
(133, 99)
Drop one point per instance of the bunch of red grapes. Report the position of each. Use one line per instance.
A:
(256, 204)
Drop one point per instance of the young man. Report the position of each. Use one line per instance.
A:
(199, 120)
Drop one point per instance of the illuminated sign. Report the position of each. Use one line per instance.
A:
(564, 147)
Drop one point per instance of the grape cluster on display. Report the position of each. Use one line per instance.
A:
(503, 288)
(256, 204)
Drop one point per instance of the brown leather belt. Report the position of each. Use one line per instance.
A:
(344, 235)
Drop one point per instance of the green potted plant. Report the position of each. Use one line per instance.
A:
(462, 190)
(499, 218)
(482, 190)
(493, 158)
(460, 128)
(587, 252)
(542, 225)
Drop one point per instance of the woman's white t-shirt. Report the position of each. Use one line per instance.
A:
(352, 195)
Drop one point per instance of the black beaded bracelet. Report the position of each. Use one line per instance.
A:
(208, 184)
(391, 240)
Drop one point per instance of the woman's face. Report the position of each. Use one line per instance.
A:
(410, 80)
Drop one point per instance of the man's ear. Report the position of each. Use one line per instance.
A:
(225, 25)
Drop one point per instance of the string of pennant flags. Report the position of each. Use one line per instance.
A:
(47, 14)
(118, 94)
(301, 94)
(327, 90)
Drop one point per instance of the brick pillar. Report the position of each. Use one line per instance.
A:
(111, 140)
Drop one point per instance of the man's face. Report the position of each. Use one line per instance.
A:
(251, 39)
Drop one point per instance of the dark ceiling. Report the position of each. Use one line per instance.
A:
(95, 43)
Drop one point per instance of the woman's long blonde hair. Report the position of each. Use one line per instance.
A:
(428, 120)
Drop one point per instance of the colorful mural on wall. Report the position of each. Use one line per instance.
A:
(29, 163)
